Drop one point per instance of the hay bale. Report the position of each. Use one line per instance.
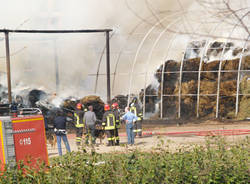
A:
(189, 87)
(208, 87)
(211, 66)
(245, 85)
(229, 65)
(170, 66)
(226, 106)
(244, 108)
(169, 107)
(188, 107)
(96, 102)
(206, 106)
(228, 88)
(245, 63)
(191, 64)
(244, 104)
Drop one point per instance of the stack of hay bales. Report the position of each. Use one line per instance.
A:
(170, 83)
(208, 87)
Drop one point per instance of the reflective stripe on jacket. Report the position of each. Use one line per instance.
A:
(79, 124)
(133, 110)
(136, 111)
(109, 120)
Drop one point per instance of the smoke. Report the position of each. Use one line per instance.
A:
(78, 55)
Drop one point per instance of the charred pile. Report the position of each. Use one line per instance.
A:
(35, 95)
(188, 88)
(69, 104)
(121, 100)
(96, 102)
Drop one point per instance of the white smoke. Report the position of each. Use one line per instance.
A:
(33, 56)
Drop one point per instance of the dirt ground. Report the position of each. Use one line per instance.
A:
(173, 139)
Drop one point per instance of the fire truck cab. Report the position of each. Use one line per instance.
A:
(22, 137)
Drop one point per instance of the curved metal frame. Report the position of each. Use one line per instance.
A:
(200, 66)
(120, 52)
(149, 57)
(220, 65)
(137, 53)
(162, 73)
(203, 52)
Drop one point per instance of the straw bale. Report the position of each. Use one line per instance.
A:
(96, 102)
(170, 66)
(246, 63)
(228, 88)
(189, 87)
(208, 87)
(226, 106)
(169, 107)
(211, 66)
(191, 64)
(207, 106)
(244, 108)
(230, 64)
(245, 85)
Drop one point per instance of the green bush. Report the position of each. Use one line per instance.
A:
(214, 162)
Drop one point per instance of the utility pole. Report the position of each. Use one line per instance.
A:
(8, 65)
(108, 67)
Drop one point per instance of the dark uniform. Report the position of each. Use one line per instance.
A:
(109, 122)
(79, 124)
(117, 125)
(135, 108)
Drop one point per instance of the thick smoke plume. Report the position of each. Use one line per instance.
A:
(34, 56)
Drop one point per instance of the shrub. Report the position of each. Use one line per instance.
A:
(214, 162)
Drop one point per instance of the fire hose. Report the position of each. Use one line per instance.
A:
(197, 133)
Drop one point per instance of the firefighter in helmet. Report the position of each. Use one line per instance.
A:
(79, 123)
(135, 108)
(116, 110)
(108, 123)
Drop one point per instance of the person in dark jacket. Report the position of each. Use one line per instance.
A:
(60, 131)
(116, 110)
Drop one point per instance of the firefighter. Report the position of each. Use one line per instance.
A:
(116, 110)
(108, 123)
(79, 123)
(135, 108)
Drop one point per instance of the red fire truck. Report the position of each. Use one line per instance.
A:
(22, 138)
